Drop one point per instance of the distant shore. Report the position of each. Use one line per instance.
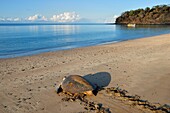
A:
(156, 15)
(141, 24)
(140, 66)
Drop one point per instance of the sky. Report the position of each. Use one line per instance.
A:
(69, 10)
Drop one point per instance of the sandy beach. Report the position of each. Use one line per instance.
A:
(141, 66)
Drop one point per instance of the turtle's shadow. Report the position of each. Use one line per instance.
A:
(100, 79)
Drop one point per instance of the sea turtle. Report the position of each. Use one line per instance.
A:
(76, 84)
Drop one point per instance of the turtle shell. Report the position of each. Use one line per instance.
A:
(76, 84)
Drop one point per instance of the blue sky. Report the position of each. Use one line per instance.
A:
(70, 10)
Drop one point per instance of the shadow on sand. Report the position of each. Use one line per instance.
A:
(100, 79)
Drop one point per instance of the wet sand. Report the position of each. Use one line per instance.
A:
(141, 66)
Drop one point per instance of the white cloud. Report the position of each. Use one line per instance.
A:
(37, 17)
(65, 17)
(16, 19)
(2, 19)
(111, 19)
(10, 19)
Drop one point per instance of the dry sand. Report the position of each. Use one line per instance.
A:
(142, 67)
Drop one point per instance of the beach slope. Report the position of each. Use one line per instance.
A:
(141, 66)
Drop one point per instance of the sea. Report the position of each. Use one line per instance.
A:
(29, 39)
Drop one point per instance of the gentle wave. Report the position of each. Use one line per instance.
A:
(24, 40)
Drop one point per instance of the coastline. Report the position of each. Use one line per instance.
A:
(140, 66)
(49, 41)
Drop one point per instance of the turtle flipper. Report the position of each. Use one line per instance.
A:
(59, 89)
(96, 90)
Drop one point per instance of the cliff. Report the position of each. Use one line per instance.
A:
(159, 14)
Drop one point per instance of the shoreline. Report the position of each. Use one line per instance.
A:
(140, 66)
(34, 53)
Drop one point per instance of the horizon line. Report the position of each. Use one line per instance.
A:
(45, 23)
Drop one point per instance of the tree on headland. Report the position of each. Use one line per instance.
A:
(159, 14)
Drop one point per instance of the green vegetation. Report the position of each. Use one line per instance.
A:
(159, 14)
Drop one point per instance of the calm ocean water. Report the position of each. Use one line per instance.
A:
(24, 40)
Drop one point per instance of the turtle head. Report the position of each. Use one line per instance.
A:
(59, 88)
(64, 78)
